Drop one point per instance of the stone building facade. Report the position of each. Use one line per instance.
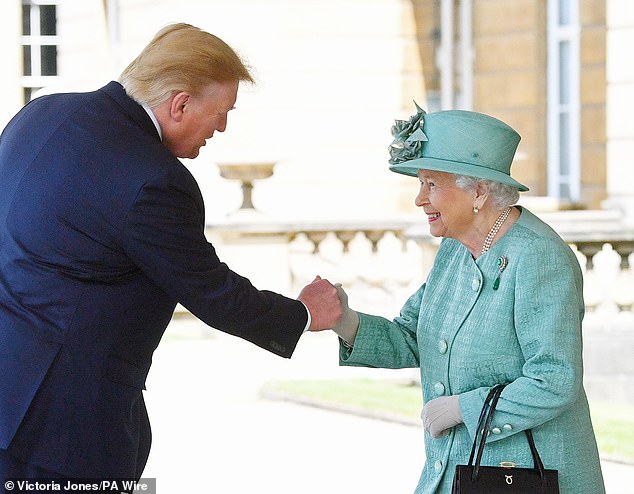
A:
(333, 74)
(507, 54)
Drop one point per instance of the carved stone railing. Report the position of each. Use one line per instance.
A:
(382, 262)
(604, 245)
(374, 259)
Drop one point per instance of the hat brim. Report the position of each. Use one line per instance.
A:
(411, 168)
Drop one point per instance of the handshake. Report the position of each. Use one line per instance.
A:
(328, 308)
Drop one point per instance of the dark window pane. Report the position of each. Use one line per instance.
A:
(564, 191)
(564, 72)
(30, 93)
(564, 12)
(26, 20)
(48, 24)
(49, 60)
(564, 144)
(26, 59)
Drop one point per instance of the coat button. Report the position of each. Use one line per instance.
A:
(439, 388)
(438, 465)
(475, 284)
(507, 427)
(442, 346)
(496, 430)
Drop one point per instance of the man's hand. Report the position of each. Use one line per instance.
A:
(322, 301)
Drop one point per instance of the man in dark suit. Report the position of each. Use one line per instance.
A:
(101, 235)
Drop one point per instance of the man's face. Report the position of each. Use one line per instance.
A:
(197, 117)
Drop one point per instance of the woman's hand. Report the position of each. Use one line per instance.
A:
(347, 327)
(441, 414)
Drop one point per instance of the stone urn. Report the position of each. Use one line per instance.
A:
(246, 173)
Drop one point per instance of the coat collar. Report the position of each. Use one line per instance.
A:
(134, 110)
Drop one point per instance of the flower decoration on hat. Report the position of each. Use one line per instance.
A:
(408, 138)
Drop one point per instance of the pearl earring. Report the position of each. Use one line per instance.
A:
(475, 210)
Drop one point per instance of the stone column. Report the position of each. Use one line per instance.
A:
(620, 107)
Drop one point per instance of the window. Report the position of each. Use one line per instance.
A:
(563, 100)
(39, 45)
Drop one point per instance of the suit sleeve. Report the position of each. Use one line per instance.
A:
(164, 236)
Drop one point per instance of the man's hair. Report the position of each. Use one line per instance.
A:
(181, 57)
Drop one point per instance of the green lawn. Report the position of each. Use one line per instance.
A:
(613, 423)
(401, 400)
(614, 428)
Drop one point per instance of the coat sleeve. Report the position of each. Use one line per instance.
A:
(164, 236)
(383, 343)
(548, 311)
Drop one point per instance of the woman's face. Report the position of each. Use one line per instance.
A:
(449, 208)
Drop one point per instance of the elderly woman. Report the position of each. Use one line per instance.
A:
(502, 304)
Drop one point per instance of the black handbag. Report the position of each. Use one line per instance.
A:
(506, 478)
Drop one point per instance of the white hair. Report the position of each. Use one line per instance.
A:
(502, 195)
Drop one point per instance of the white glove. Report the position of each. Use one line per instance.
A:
(441, 414)
(347, 327)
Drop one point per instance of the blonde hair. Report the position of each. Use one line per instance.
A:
(181, 57)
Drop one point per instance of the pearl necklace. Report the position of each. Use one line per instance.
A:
(495, 229)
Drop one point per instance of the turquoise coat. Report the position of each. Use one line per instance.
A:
(466, 336)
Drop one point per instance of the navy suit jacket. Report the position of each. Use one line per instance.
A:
(101, 234)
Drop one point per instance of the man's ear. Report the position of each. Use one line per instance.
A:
(178, 104)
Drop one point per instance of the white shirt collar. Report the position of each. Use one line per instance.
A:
(154, 120)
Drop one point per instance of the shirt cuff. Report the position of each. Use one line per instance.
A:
(309, 318)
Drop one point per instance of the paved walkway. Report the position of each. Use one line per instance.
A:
(214, 434)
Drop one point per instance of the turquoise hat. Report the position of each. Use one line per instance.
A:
(455, 141)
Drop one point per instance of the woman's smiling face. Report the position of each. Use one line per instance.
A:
(449, 208)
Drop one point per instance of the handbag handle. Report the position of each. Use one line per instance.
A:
(484, 424)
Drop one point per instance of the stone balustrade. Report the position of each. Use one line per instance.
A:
(604, 245)
(382, 262)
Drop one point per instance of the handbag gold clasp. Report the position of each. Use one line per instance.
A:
(507, 464)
